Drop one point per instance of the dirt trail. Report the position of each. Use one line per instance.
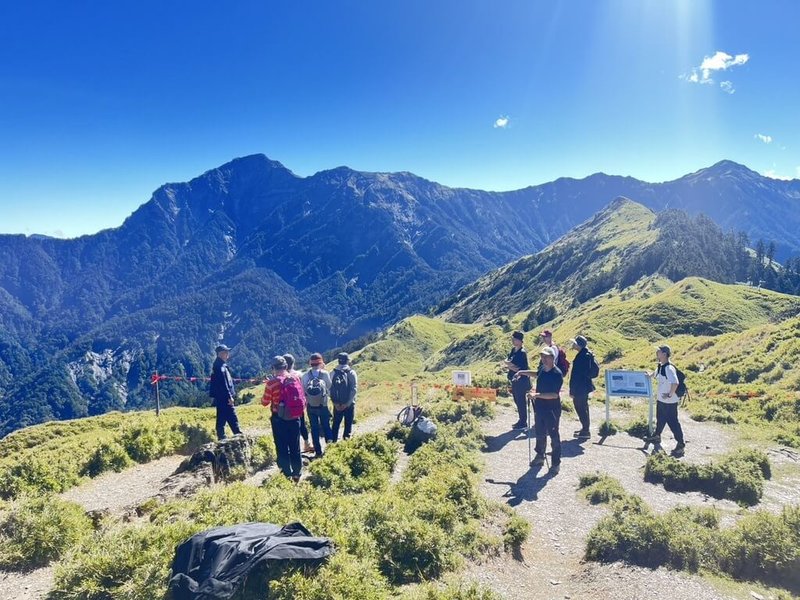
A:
(561, 519)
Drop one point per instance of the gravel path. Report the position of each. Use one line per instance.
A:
(561, 519)
(31, 585)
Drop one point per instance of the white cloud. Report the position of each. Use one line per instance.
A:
(501, 122)
(767, 139)
(772, 174)
(720, 61)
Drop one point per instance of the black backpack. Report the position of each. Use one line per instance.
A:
(340, 387)
(681, 390)
(594, 368)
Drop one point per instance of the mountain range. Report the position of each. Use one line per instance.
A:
(266, 261)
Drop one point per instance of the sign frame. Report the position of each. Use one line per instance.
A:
(624, 383)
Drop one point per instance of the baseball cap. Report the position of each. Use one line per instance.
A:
(547, 351)
(546, 333)
(665, 349)
(222, 348)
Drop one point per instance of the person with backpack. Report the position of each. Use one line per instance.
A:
(284, 395)
(518, 360)
(221, 390)
(344, 388)
(584, 369)
(666, 376)
(303, 427)
(317, 384)
(561, 357)
(547, 408)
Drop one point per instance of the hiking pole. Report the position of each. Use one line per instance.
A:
(528, 430)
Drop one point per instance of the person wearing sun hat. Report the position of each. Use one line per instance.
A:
(547, 408)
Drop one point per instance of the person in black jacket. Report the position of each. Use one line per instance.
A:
(580, 385)
(518, 361)
(223, 393)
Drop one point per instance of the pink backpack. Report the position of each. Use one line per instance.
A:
(292, 400)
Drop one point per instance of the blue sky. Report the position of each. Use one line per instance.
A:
(102, 102)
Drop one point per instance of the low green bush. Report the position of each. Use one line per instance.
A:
(263, 452)
(608, 428)
(108, 456)
(515, 533)
(601, 489)
(36, 531)
(451, 591)
(638, 428)
(764, 547)
(32, 475)
(350, 468)
(738, 476)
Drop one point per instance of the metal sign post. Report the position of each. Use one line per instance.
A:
(158, 397)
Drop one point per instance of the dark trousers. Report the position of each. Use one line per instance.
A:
(667, 414)
(348, 415)
(303, 428)
(226, 414)
(287, 445)
(519, 390)
(581, 402)
(320, 418)
(548, 417)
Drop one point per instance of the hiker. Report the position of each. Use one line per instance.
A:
(667, 406)
(284, 395)
(303, 427)
(518, 360)
(344, 388)
(317, 386)
(222, 391)
(584, 369)
(561, 357)
(547, 408)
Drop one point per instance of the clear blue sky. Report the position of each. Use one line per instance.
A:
(103, 101)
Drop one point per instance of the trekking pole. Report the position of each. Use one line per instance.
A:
(528, 430)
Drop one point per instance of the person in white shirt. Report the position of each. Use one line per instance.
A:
(667, 405)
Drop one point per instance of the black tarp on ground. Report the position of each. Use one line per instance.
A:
(214, 564)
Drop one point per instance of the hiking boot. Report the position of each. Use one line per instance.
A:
(554, 468)
(295, 478)
(582, 435)
(653, 439)
(679, 450)
(538, 460)
(519, 425)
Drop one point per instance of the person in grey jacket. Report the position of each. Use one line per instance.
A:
(222, 391)
(344, 389)
(317, 385)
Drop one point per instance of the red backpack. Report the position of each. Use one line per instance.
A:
(292, 399)
(561, 362)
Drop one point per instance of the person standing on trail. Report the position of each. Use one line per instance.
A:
(547, 408)
(518, 361)
(223, 393)
(667, 406)
(344, 389)
(317, 385)
(303, 427)
(584, 369)
(283, 394)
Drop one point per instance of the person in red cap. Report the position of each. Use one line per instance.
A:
(561, 357)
